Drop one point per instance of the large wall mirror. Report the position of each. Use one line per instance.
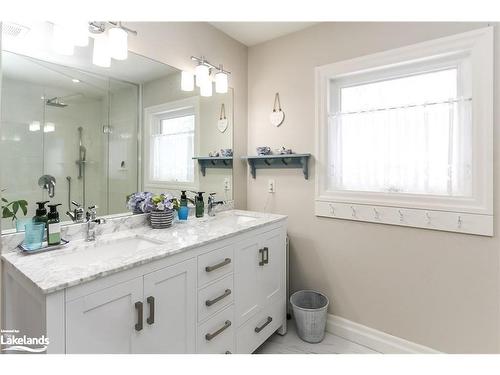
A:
(103, 133)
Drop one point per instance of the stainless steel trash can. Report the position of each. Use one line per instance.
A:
(310, 309)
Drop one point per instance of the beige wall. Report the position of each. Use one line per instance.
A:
(435, 288)
(174, 43)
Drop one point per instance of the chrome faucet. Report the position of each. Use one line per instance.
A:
(78, 214)
(212, 203)
(92, 221)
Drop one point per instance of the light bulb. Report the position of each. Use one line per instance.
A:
(100, 55)
(34, 126)
(80, 31)
(187, 81)
(62, 41)
(118, 43)
(49, 127)
(206, 88)
(221, 83)
(202, 74)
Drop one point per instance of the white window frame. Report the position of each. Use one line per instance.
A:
(459, 214)
(152, 118)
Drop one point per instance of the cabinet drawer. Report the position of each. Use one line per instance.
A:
(216, 336)
(254, 332)
(215, 264)
(214, 297)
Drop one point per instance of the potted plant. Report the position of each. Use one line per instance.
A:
(11, 209)
(161, 208)
(135, 201)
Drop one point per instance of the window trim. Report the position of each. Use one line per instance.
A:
(152, 117)
(416, 208)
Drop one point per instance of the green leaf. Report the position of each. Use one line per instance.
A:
(24, 207)
(5, 200)
(6, 213)
(15, 207)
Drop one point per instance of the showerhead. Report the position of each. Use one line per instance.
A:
(55, 102)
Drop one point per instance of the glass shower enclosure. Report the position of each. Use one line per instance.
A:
(79, 127)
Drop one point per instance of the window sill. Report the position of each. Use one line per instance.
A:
(459, 222)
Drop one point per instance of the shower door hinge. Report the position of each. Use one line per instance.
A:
(107, 129)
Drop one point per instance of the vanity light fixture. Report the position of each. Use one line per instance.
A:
(75, 80)
(100, 53)
(118, 42)
(187, 81)
(206, 89)
(34, 126)
(49, 127)
(203, 80)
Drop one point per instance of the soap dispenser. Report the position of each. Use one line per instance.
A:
(53, 225)
(183, 208)
(200, 204)
(41, 213)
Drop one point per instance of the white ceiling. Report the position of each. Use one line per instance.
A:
(252, 33)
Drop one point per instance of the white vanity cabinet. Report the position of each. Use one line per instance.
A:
(225, 297)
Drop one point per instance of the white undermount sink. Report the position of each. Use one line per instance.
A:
(103, 249)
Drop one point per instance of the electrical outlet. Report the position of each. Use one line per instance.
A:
(227, 184)
(271, 186)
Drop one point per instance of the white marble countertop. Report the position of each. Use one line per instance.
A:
(82, 261)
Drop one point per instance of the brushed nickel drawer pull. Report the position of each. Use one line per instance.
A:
(210, 336)
(138, 325)
(269, 320)
(151, 301)
(261, 254)
(209, 302)
(266, 254)
(219, 265)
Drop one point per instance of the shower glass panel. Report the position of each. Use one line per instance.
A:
(79, 127)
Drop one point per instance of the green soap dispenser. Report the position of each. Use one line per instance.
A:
(200, 204)
(53, 225)
(41, 213)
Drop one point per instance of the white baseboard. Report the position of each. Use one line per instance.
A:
(377, 340)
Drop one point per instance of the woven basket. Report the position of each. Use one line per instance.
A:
(161, 219)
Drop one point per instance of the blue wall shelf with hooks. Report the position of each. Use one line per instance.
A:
(279, 161)
(214, 162)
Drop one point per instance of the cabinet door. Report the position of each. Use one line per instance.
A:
(170, 310)
(104, 321)
(272, 273)
(246, 279)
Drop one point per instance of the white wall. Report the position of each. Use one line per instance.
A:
(435, 288)
(174, 43)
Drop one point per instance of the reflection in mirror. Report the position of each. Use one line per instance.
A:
(82, 125)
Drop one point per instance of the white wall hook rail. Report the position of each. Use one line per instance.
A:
(461, 222)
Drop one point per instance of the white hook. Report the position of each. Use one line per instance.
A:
(332, 209)
(401, 217)
(428, 216)
(353, 211)
(377, 214)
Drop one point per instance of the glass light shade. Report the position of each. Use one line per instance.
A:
(49, 127)
(118, 43)
(221, 83)
(187, 81)
(206, 89)
(100, 55)
(62, 41)
(34, 126)
(80, 31)
(202, 73)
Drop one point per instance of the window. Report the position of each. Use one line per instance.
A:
(171, 143)
(173, 150)
(404, 136)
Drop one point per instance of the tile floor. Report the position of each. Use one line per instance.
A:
(292, 344)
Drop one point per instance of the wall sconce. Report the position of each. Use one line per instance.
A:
(202, 73)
